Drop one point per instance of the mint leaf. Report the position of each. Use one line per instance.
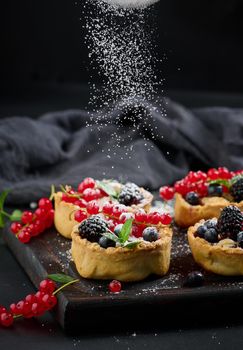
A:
(108, 189)
(16, 215)
(225, 183)
(131, 245)
(125, 231)
(61, 278)
(111, 236)
(3, 197)
(2, 223)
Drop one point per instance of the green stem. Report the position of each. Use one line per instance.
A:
(64, 286)
(17, 316)
(5, 214)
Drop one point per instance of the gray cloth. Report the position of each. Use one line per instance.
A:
(59, 148)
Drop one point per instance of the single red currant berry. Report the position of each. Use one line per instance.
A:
(40, 214)
(202, 189)
(45, 203)
(80, 215)
(154, 218)
(27, 217)
(224, 173)
(89, 194)
(81, 203)
(93, 208)
(141, 216)
(118, 209)
(47, 286)
(137, 231)
(213, 174)
(15, 227)
(50, 218)
(86, 183)
(26, 308)
(24, 236)
(115, 286)
(39, 227)
(68, 199)
(49, 301)
(166, 219)
(201, 175)
(19, 310)
(6, 319)
(166, 193)
(37, 309)
(2, 309)
(12, 308)
(30, 298)
(107, 208)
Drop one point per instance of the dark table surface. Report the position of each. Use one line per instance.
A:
(223, 331)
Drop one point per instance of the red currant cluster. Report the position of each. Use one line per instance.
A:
(33, 304)
(32, 224)
(118, 214)
(87, 191)
(198, 182)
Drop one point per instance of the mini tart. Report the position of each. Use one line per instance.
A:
(64, 212)
(217, 258)
(187, 215)
(119, 263)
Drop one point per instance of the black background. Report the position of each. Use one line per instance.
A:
(43, 42)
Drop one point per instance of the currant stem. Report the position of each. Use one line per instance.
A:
(17, 316)
(65, 285)
(5, 214)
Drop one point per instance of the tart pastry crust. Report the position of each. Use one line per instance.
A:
(187, 215)
(119, 263)
(64, 212)
(219, 258)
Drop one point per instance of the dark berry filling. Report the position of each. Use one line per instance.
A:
(192, 198)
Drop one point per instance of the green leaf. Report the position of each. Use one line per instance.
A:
(3, 196)
(2, 223)
(61, 278)
(16, 215)
(223, 182)
(131, 245)
(108, 189)
(111, 236)
(125, 231)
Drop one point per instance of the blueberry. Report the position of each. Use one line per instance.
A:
(192, 198)
(105, 242)
(118, 229)
(201, 231)
(240, 238)
(211, 223)
(194, 279)
(211, 235)
(150, 234)
(215, 190)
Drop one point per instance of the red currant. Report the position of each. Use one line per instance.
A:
(50, 218)
(80, 215)
(111, 225)
(201, 175)
(6, 319)
(166, 193)
(68, 199)
(118, 209)
(40, 213)
(31, 298)
(166, 219)
(81, 203)
(47, 286)
(141, 216)
(213, 174)
(125, 216)
(86, 183)
(224, 173)
(154, 218)
(2, 309)
(202, 189)
(37, 309)
(39, 295)
(107, 208)
(15, 227)
(90, 194)
(93, 208)
(45, 203)
(49, 301)
(137, 231)
(39, 227)
(181, 187)
(115, 286)
(24, 236)
(27, 217)
(13, 308)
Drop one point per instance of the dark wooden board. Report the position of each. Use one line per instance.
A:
(88, 302)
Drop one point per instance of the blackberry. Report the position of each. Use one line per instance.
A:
(130, 194)
(229, 222)
(92, 228)
(236, 190)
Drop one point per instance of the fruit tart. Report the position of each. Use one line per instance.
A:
(100, 253)
(72, 207)
(217, 244)
(202, 195)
